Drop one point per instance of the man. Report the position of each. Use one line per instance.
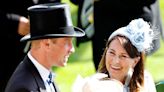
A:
(14, 25)
(51, 34)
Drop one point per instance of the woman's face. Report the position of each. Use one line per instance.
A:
(118, 62)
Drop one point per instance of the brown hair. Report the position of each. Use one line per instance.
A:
(138, 75)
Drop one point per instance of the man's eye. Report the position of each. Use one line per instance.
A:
(111, 53)
(124, 56)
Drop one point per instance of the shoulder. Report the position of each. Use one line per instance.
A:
(21, 80)
(149, 83)
(148, 76)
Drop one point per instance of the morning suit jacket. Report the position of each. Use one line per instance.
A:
(12, 53)
(26, 78)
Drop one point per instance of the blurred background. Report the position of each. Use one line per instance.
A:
(80, 62)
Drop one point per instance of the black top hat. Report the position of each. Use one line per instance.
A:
(51, 20)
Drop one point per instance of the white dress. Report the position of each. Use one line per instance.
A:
(94, 84)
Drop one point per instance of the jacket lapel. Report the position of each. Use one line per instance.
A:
(55, 87)
(36, 75)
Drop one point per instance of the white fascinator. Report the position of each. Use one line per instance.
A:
(139, 32)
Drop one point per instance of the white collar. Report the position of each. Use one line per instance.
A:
(41, 69)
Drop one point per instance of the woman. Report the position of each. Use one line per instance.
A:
(123, 58)
(121, 68)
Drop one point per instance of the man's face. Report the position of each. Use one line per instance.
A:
(59, 51)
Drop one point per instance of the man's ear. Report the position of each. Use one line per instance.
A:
(45, 42)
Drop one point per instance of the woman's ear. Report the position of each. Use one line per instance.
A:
(136, 60)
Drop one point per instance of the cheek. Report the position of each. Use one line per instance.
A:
(55, 53)
(126, 67)
(108, 62)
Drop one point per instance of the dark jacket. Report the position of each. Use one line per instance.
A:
(26, 78)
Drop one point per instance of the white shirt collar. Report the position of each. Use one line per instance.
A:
(42, 70)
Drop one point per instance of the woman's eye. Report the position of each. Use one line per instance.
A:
(123, 56)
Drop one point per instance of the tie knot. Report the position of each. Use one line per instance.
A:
(50, 78)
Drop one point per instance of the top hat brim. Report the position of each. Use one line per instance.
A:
(73, 32)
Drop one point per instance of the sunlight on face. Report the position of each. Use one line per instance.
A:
(60, 50)
(118, 61)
